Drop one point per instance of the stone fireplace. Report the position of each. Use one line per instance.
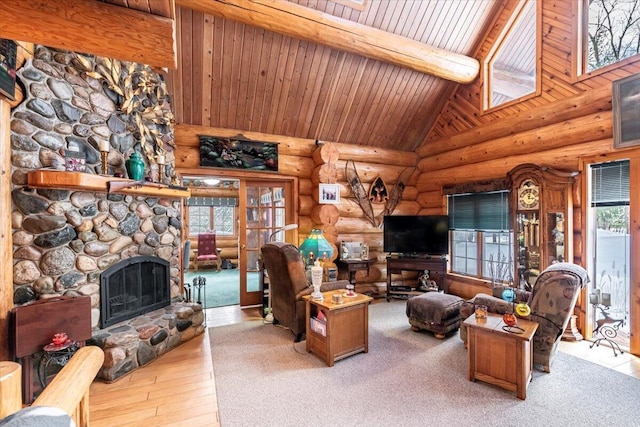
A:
(133, 287)
(71, 241)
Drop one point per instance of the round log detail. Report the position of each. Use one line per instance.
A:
(325, 174)
(326, 153)
(325, 214)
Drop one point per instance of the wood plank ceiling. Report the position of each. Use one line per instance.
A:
(162, 8)
(232, 75)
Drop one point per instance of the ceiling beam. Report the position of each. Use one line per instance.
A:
(304, 23)
(92, 27)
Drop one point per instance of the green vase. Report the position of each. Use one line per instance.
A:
(135, 166)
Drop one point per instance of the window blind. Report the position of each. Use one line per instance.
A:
(480, 211)
(610, 184)
(212, 201)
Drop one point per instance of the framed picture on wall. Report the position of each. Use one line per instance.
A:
(626, 110)
(329, 194)
(238, 153)
(8, 55)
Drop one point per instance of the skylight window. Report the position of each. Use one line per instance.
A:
(511, 68)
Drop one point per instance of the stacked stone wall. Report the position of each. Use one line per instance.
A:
(63, 239)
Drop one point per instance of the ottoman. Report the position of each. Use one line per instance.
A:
(435, 312)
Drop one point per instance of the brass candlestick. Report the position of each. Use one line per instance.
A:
(161, 161)
(105, 166)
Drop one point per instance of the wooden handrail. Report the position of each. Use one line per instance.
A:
(69, 389)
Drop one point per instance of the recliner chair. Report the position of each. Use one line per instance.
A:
(552, 301)
(288, 285)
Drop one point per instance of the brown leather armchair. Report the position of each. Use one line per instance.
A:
(288, 284)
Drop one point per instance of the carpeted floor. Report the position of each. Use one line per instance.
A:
(407, 379)
(221, 288)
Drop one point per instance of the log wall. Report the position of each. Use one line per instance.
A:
(303, 159)
(569, 125)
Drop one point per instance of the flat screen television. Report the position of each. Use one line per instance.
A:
(416, 234)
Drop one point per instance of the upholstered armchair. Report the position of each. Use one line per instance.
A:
(288, 285)
(208, 251)
(552, 301)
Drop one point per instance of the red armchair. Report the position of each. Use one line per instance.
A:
(208, 252)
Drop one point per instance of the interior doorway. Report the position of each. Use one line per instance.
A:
(267, 208)
(244, 213)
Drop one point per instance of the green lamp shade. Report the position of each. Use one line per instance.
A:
(317, 245)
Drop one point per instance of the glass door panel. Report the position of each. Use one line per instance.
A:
(611, 280)
(555, 237)
(528, 248)
(266, 212)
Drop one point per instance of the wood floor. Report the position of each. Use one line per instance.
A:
(178, 389)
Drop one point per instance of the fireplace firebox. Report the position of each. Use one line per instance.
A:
(133, 287)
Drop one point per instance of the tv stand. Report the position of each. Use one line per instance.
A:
(437, 267)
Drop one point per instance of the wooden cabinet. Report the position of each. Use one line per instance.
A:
(542, 213)
(344, 330)
(500, 357)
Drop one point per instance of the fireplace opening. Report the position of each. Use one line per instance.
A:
(133, 287)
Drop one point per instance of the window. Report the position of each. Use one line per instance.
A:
(611, 32)
(511, 67)
(212, 213)
(481, 235)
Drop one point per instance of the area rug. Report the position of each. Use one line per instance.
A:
(221, 288)
(407, 379)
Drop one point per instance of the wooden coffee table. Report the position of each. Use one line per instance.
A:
(499, 357)
(346, 326)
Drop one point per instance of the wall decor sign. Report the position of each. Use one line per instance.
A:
(74, 161)
(8, 54)
(238, 153)
(354, 251)
(626, 110)
(329, 194)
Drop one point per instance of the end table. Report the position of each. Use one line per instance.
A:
(497, 356)
(353, 266)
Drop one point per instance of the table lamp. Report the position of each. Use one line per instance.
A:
(285, 228)
(315, 246)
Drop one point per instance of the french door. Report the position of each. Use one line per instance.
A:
(265, 206)
(609, 246)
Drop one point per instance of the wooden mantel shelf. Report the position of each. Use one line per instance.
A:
(43, 178)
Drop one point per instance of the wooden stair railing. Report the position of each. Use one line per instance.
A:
(69, 389)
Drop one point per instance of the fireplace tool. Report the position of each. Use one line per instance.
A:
(199, 282)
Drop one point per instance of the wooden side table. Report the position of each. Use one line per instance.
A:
(346, 326)
(353, 266)
(498, 357)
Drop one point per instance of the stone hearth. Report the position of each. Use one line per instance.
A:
(136, 342)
